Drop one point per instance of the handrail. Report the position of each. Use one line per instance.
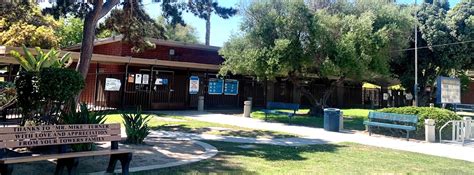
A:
(458, 133)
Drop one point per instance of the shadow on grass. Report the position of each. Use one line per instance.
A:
(225, 161)
(223, 132)
(180, 128)
(255, 133)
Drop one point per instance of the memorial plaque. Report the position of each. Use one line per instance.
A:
(28, 136)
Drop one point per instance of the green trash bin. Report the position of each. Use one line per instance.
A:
(331, 119)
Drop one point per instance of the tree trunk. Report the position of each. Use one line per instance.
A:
(208, 23)
(316, 108)
(87, 45)
(330, 90)
(100, 9)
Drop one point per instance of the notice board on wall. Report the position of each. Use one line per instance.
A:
(231, 87)
(215, 86)
(193, 85)
(448, 90)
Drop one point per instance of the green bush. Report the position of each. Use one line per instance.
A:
(43, 94)
(60, 84)
(136, 126)
(441, 116)
(7, 94)
(84, 116)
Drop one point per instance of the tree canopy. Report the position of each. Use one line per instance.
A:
(287, 39)
(23, 24)
(441, 49)
(205, 8)
(182, 33)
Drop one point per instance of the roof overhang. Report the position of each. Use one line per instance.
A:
(160, 42)
(100, 58)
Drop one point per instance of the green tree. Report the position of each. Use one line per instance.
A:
(23, 24)
(442, 52)
(204, 9)
(70, 31)
(93, 11)
(178, 32)
(284, 39)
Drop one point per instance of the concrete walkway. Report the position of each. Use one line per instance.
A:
(319, 136)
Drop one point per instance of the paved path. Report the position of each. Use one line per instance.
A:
(319, 136)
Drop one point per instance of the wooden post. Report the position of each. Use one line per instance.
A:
(124, 85)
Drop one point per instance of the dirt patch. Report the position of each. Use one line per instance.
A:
(156, 151)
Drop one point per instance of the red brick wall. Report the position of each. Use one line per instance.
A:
(467, 96)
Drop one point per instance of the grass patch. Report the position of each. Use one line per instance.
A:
(353, 118)
(183, 124)
(341, 158)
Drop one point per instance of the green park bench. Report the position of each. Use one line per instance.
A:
(391, 120)
(60, 137)
(276, 107)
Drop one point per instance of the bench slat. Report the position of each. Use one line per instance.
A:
(46, 128)
(388, 125)
(279, 105)
(58, 134)
(393, 117)
(58, 141)
(23, 159)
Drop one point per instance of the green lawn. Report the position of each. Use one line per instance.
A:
(353, 118)
(344, 158)
(183, 124)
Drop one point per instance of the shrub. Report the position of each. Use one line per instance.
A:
(84, 116)
(136, 126)
(7, 94)
(41, 95)
(441, 116)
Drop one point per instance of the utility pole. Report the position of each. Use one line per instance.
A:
(416, 57)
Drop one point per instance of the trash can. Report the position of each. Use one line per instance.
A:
(331, 119)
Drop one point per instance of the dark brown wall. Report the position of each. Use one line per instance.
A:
(181, 54)
(467, 97)
(161, 52)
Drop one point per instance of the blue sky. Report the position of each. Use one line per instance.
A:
(222, 29)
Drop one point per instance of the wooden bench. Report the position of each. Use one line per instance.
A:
(391, 120)
(275, 107)
(61, 137)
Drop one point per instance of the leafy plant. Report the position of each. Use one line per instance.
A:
(29, 62)
(136, 126)
(84, 116)
(42, 95)
(441, 116)
(7, 94)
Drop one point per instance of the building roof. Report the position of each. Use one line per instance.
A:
(119, 38)
(6, 58)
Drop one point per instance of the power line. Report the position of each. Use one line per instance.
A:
(436, 45)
